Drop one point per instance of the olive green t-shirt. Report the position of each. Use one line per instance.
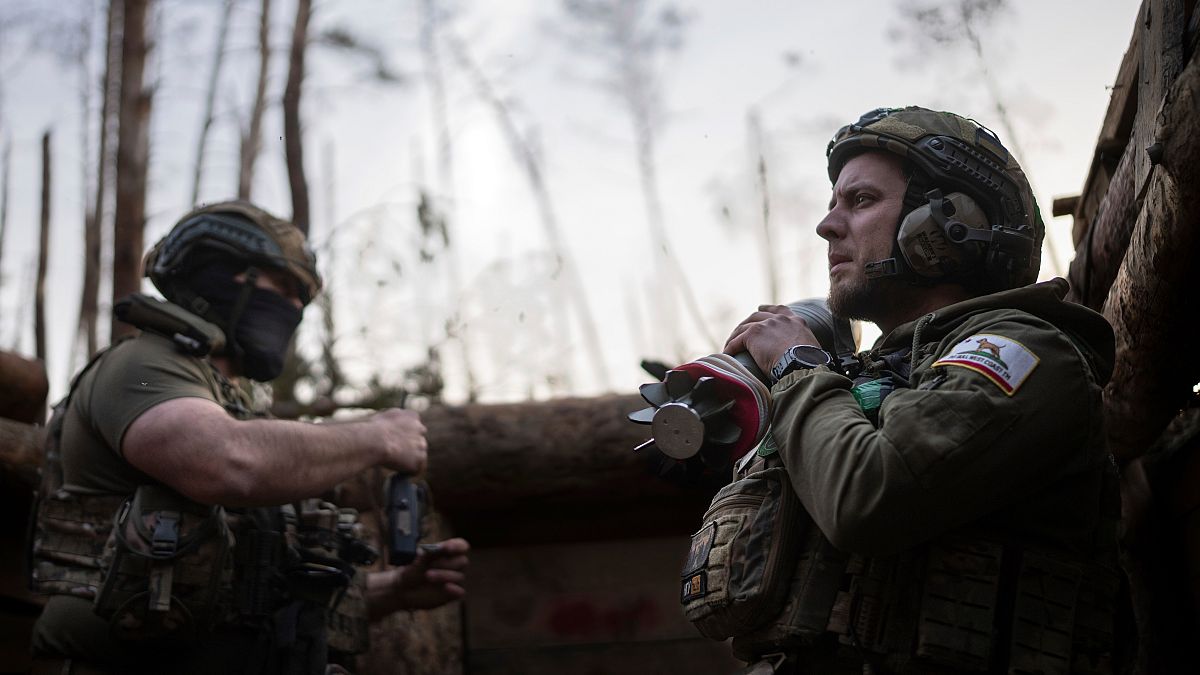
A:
(129, 379)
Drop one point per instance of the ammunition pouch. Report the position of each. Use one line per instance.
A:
(326, 542)
(168, 567)
(960, 604)
(761, 572)
(69, 534)
(737, 573)
(67, 531)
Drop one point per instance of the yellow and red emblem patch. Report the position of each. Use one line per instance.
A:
(1002, 360)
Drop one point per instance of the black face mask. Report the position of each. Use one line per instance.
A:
(261, 333)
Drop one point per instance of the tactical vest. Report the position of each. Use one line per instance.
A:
(972, 601)
(157, 565)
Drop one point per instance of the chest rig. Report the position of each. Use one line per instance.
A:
(158, 566)
(970, 601)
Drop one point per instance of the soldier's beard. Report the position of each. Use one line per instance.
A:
(863, 299)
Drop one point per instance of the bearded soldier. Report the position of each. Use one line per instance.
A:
(959, 497)
(178, 530)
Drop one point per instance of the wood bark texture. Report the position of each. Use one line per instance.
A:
(532, 472)
(133, 153)
(1152, 302)
(23, 395)
(1099, 254)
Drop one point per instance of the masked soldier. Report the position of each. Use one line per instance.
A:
(178, 530)
(960, 502)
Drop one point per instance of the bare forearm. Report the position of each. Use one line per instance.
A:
(195, 447)
(277, 461)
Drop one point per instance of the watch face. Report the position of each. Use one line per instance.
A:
(800, 356)
(810, 356)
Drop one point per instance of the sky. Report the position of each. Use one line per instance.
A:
(501, 301)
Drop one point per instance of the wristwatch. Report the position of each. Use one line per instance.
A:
(797, 357)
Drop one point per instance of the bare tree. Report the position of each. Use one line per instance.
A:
(429, 21)
(529, 159)
(950, 23)
(293, 136)
(210, 99)
(252, 136)
(332, 369)
(758, 150)
(39, 302)
(628, 42)
(133, 154)
(93, 223)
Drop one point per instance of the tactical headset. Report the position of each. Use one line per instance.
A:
(969, 213)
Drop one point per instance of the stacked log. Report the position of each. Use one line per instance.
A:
(23, 394)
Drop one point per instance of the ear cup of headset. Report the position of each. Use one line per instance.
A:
(933, 250)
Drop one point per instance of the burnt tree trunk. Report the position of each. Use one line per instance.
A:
(133, 154)
(293, 136)
(252, 137)
(39, 300)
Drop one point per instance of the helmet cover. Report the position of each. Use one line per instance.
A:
(239, 230)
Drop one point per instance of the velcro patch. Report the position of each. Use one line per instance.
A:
(1002, 360)
(694, 587)
(702, 543)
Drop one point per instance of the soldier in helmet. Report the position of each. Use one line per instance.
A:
(961, 496)
(180, 531)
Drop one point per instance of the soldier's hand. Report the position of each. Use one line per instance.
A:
(768, 333)
(402, 436)
(436, 577)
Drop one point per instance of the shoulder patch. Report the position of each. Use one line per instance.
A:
(1002, 360)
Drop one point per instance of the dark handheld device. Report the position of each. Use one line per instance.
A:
(405, 506)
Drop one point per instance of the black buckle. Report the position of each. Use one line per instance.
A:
(165, 539)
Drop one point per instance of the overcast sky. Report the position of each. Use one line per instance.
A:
(805, 67)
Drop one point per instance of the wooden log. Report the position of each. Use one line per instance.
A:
(20, 452)
(24, 388)
(1098, 256)
(536, 472)
(1152, 304)
(1114, 136)
(1162, 27)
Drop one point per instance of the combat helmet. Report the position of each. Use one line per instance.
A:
(235, 230)
(969, 215)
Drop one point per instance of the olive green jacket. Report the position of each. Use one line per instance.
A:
(1005, 433)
